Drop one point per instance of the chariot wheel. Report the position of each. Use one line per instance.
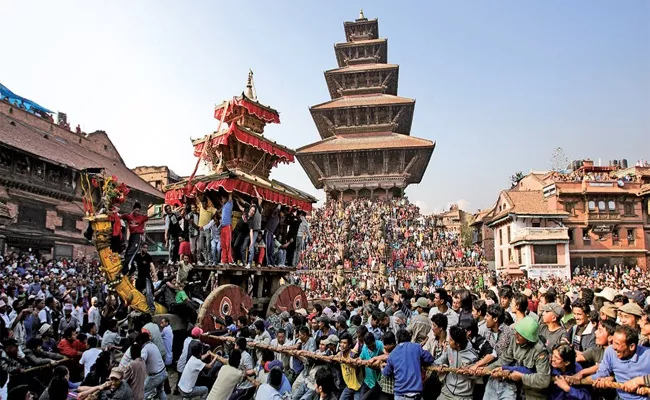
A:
(287, 298)
(225, 300)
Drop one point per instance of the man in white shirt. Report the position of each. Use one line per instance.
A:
(194, 366)
(94, 315)
(89, 356)
(45, 315)
(229, 377)
(281, 341)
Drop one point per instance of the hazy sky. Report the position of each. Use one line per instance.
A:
(498, 84)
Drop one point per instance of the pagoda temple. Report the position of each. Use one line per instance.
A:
(240, 157)
(366, 148)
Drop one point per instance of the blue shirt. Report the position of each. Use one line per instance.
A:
(405, 363)
(167, 338)
(624, 370)
(371, 375)
(226, 214)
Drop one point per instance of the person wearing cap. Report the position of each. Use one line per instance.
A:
(627, 361)
(116, 388)
(68, 319)
(420, 325)
(527, 359)
(551, 331)
(271, 389)
(190, 374)
(608, 312)
(636, 296)
(630, 314)
(190, 341)
(10, 363)
(608, 294)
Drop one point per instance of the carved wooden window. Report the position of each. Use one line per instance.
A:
(62, 251)
(69, 223)
(629, 208)
(545, 254)
(31, 215)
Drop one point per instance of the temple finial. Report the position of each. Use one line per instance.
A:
(361, 16)
(250, 87)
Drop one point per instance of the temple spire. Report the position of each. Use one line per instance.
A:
(250, 87)
(361, 16)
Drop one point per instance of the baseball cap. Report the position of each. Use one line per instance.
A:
(554, 308)
(44, 328)
(632, 309)
(302, 312)
(331, 339)
(422, 302)
(609, 310)
(527, 292)
(116, 372)
(196, 331)
(636, 296)
(608, 294)
(324, 320)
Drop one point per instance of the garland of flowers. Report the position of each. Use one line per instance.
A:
(112, 192)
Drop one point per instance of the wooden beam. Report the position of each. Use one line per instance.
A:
(411, 163)
(313, 163)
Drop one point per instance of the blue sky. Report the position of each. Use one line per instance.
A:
(498, 84)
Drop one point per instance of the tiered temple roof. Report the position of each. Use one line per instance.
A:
(365, 149)
(241, 157)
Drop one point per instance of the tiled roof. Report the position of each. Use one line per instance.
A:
(358, 42)
(370, 141)
(530, 202)
(360, 67)
(645, 189)
(359, 101)
(27, 138)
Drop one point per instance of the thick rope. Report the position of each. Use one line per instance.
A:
(499, 374)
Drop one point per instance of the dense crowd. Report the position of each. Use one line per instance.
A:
(389, 233)
(388, 288)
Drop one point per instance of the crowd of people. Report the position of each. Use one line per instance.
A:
(389, 233)
(392, 295)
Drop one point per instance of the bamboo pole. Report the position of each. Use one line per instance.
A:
(501, 374)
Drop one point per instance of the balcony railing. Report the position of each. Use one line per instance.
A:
(540, 234)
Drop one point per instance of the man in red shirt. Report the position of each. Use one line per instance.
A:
(69, 346)
(135, 220)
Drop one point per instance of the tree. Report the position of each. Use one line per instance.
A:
(559, 161)
(466, 233)
(514, 179)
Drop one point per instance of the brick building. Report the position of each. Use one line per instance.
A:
(40, 170)
(366, 148)
(483, 235)
(604, 215)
